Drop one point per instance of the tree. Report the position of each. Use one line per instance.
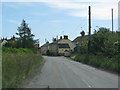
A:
(25, 39)
(82, 33)
(103, 42)
(104, 30)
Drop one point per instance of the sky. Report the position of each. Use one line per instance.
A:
(49, 18)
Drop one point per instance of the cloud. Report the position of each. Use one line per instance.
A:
(99, 12)
(59, 0)
(80, 13)
(57, 21)
(66, 5)
(104, 12)
(101, 9)
(39, 13)
(18, 5)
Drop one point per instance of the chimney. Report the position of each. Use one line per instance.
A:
(60, 37)
(54, 39)
(65, 36)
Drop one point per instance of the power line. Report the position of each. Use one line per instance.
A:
(77, 26)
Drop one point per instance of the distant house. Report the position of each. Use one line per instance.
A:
(36, 44)
(80, 39)
(62, 46)
(44, 48)
(3, 41)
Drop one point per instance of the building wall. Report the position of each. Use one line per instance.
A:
(69, 42)
(44, 49)
(3, 42)
(53, 48)
(61, 51)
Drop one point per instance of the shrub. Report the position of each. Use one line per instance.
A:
(104, 50)
(16, 50)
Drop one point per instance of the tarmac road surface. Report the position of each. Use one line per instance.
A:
(60, 72)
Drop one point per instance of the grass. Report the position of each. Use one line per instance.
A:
(99, 61)
(17, 67)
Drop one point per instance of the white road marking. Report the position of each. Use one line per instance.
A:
(88, 83)
(89, 86)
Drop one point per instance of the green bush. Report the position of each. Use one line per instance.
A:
(17, 50)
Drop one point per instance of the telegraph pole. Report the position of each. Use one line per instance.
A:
(112, 20)
(89, 29)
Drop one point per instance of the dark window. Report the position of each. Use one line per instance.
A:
(63, 46)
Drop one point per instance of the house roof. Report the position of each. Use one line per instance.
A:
(63, 45)
(55, 42)
(80, 38)
(45, 45)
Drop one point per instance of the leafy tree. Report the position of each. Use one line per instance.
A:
(103, 42)
(104, 50)
(103, 30)
(25, 39)
(98, 39)
(82, 33)
(81, 49)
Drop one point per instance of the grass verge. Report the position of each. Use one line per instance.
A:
(17, 67)
(99, 61)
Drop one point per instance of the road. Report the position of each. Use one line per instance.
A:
(60, 72)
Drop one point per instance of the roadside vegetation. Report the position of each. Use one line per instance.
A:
(19, 58)
(104, 50)
(17, 66)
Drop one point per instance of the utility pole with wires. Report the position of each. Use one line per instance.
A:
(112, 20)
(89, 34)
